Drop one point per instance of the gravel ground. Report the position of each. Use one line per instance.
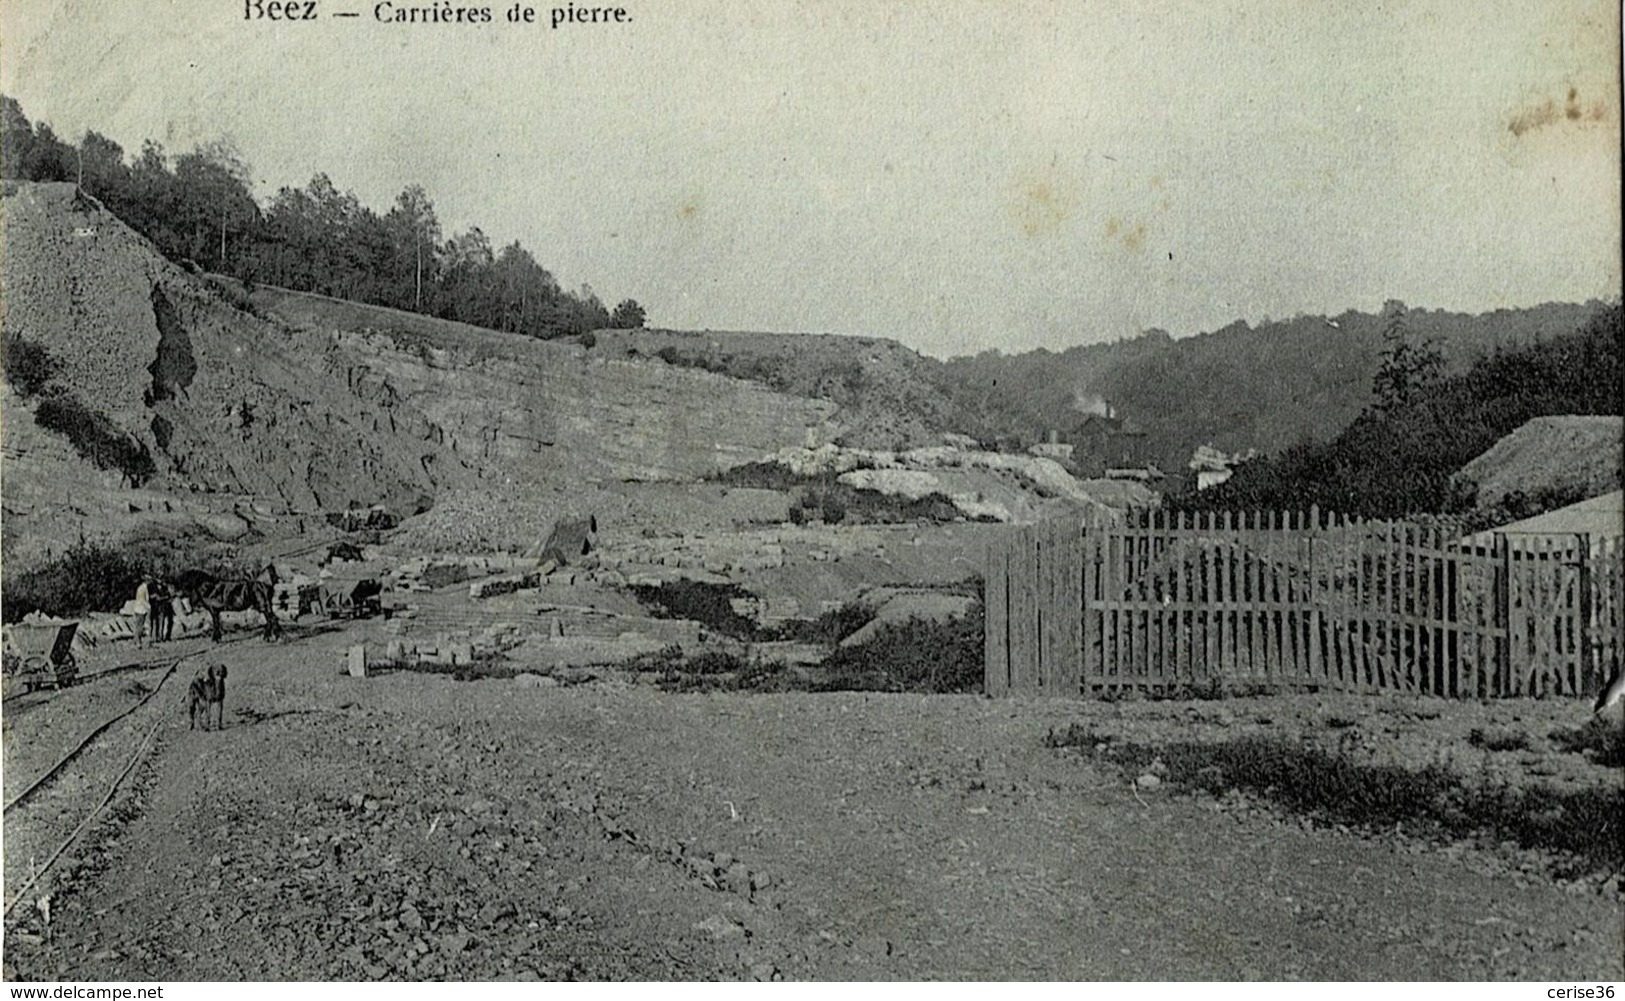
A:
(413, 827)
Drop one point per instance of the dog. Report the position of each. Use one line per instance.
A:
(207, 696)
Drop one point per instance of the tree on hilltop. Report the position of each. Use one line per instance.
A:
(627, 316)
(417, 232)
(1407, 369)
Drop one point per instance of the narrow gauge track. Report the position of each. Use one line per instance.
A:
(42, 811)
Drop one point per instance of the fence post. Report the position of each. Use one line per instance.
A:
(1503, 686)
(1583, 585)
(1317, 668)
(1089, 572)
(996, 617)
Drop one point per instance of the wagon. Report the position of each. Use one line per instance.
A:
(44, 654)
(359, 599)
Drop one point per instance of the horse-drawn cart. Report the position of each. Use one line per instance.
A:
(43, 654)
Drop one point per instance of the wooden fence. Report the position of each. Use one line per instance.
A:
(1298, 601)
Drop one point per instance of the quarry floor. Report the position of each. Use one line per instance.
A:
(408, 826)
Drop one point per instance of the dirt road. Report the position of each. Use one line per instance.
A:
(410, 826)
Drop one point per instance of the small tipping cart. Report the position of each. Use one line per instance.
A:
(353, 599)
(44, 654)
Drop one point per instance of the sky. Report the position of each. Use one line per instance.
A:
(957, 176)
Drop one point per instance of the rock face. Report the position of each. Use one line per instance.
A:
(221, 399)
(992, 486)
(305, 404)
(550, 412)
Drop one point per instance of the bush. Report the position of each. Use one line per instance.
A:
(711, 605)
(1602, 739)
(1586, 824)
(913, 656)
(1498, 740)
(829, 628)
(95, 437)
(29, 366)
(87, 578)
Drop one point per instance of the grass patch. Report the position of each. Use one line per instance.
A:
(29, 367)
(1586, 826)
(706, 671)
(1602, 739)
(1499, 740)
(709, 604)
(912, 656)
(829, 628)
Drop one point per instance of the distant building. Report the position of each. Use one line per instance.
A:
(1058, 450)
(1107, 440)
(1598, 518)
(1148, 474)
(1212, 467)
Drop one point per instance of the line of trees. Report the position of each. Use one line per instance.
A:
(1397, 458)
(198, 207)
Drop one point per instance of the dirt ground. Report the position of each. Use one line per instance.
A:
(410, 826)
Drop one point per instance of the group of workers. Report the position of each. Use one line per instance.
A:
(154, 611)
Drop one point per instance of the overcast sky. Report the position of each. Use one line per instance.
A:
(957, 176)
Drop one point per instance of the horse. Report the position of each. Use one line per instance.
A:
(233, 595)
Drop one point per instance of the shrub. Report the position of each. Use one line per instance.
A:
(29, 367)
(1499, 740)
(829, 628)
(1075, 735)
(667, 658)
(87, 578)
(95, 437)
(912, 656)
(1586, 824)
(709, 604)
(1602, 739)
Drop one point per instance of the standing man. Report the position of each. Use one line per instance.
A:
(141, 607)
(163, 610)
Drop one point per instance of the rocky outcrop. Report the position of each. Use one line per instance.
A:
(982, 485)
(224, 401)
(525, 410)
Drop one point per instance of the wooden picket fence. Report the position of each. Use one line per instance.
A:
(1294, 601)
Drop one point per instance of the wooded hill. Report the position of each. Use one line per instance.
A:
(1265, 388)
(1398, 461)
(197, 208)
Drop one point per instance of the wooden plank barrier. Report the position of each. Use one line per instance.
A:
(1297, 600)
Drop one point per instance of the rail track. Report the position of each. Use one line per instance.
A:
(50, 814)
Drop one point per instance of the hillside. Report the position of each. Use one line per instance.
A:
(187, 400)
(1544, 464)
(1239, 388)
(1405, 460)
(208, 403)
(885, 390)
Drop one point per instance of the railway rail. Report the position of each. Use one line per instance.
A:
(34, 815)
